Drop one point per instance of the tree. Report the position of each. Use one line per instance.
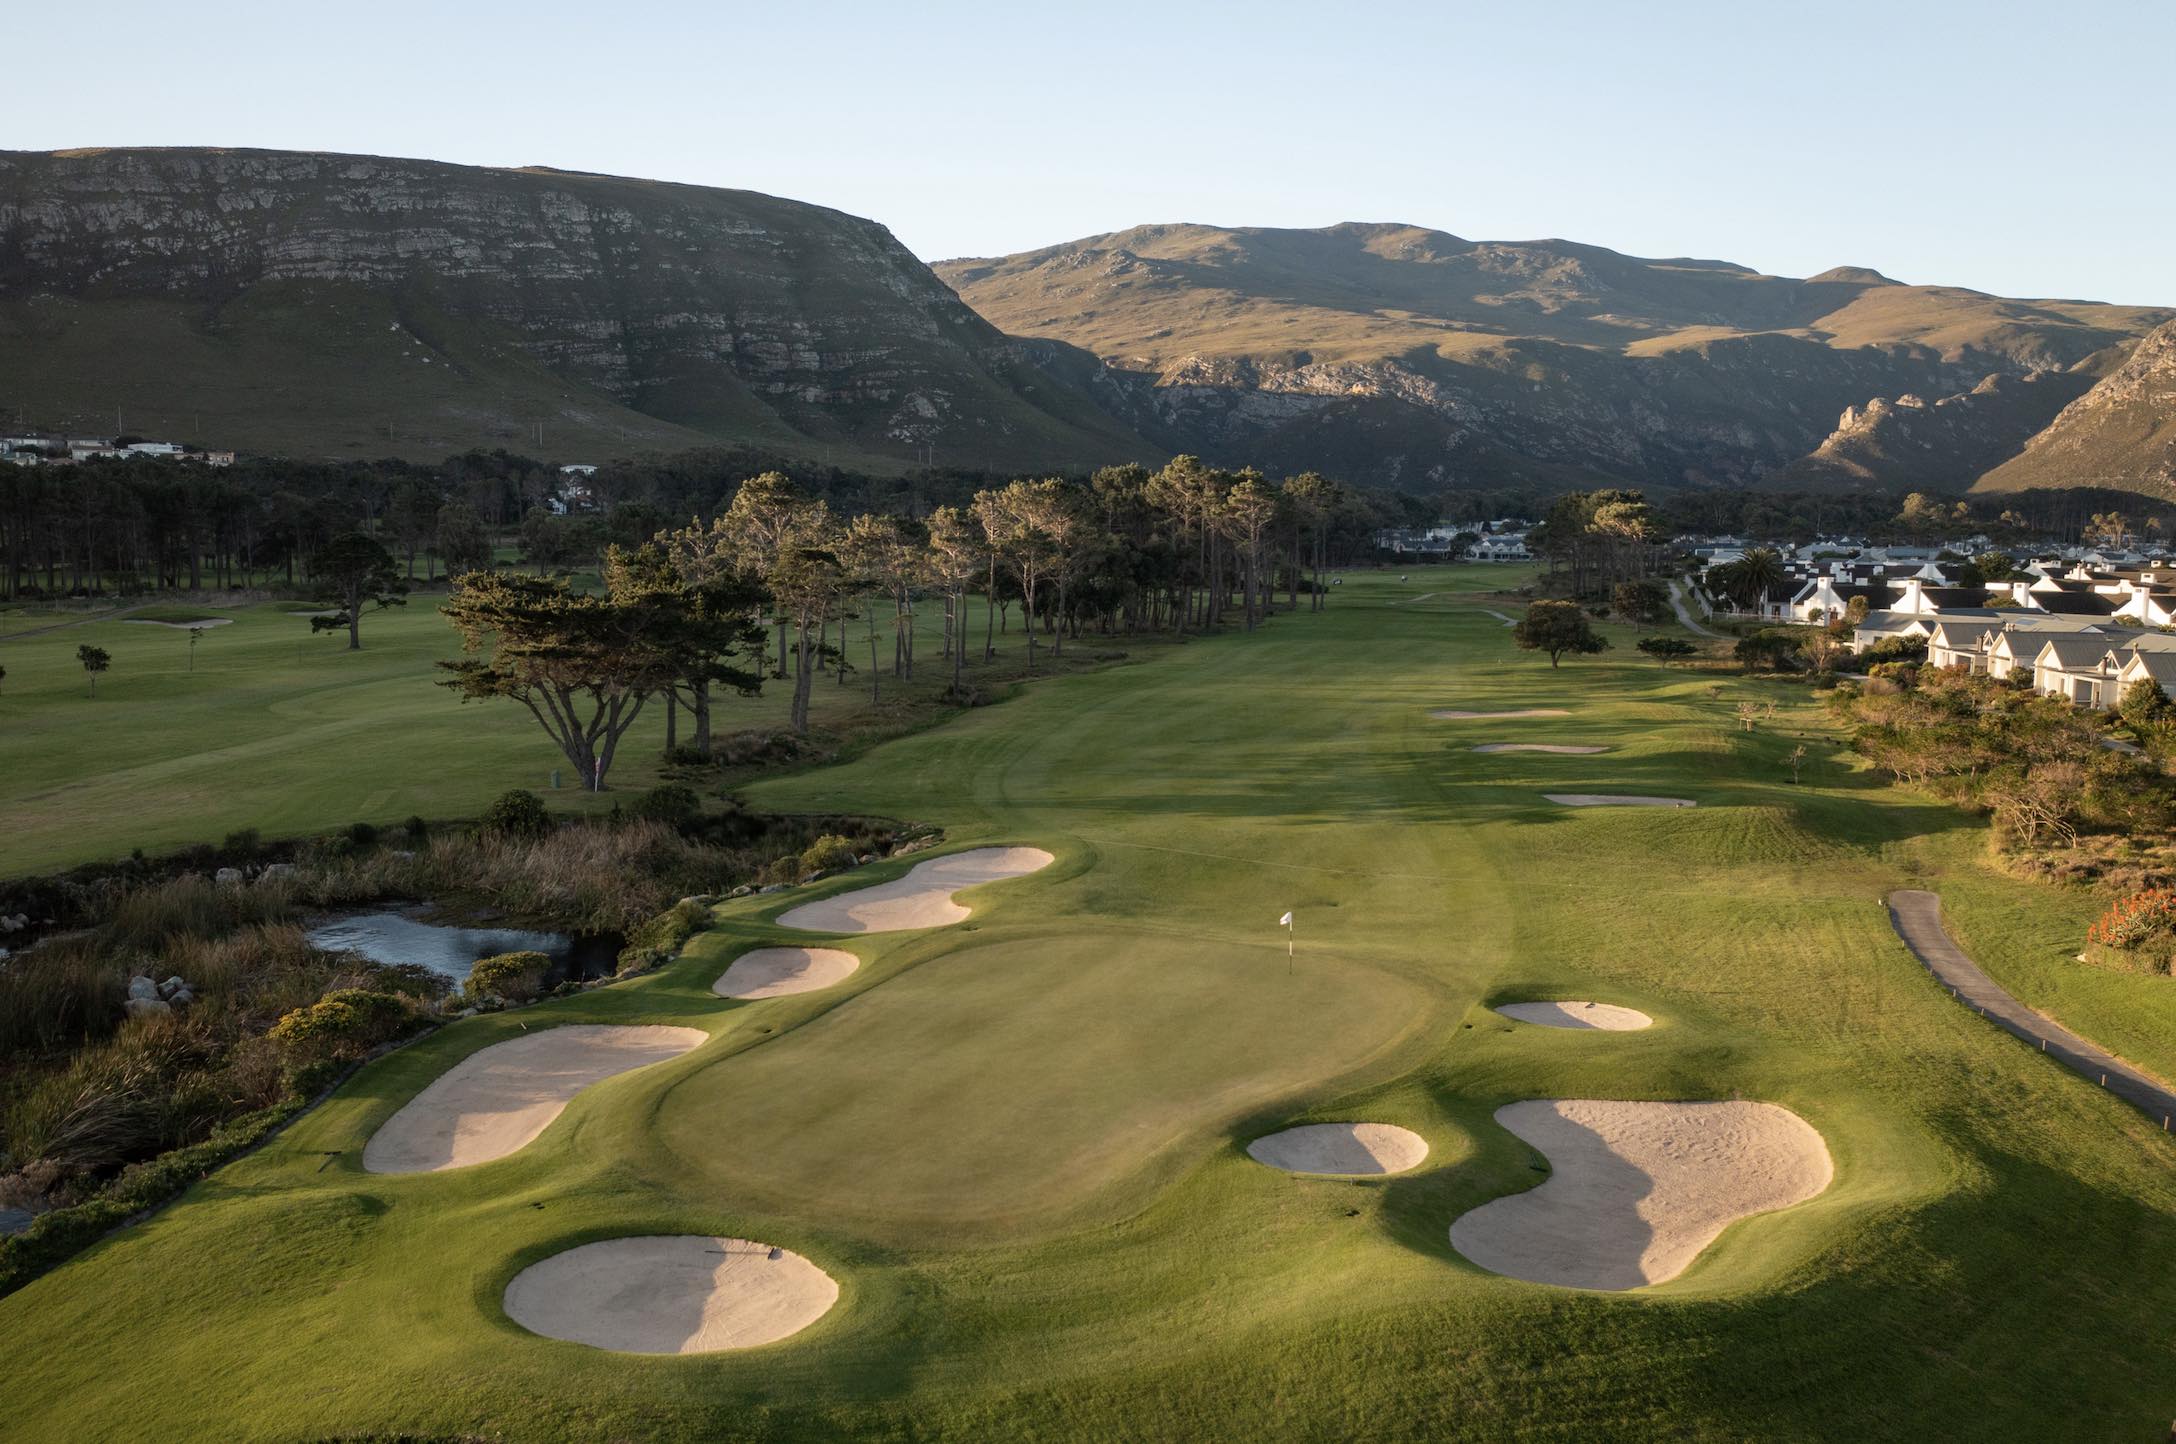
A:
(1247, 512)
(462, 542)
(1797, 758)
(1023, 521)
(94, 660)
(1645, 600)
(582, 664)
(789, 542)
(1922, 515)
(1666, 649)
(705, 617)
(954, 560)
(350, 570)
(1557, 628)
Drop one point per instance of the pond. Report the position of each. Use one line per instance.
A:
(402, 936)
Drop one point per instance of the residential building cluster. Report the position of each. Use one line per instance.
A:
(2083, 625)
(63, 450)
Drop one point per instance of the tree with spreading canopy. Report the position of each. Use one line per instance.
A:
(582, 663)
(1557, 628)
(349, 571)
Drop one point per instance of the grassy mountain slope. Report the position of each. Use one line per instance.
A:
(2121, 434)
(287, 301)
(1524, 356)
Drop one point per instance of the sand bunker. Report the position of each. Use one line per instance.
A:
(1447, 715)
(178, 626)
(499, 1098)
(775, 972)
(1638, 1189)
(1615, 799)
(1566, 748)
(671, 1294)
(1606, 1016)
(1345, 1148)
(921, 899)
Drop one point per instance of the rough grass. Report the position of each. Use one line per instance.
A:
(1998, 1240)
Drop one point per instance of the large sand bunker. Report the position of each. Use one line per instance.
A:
(1615, 799)
(671, 1294)
(1606, 1016)
(1343, 1148)
(775, 972)
(499, 1098)
(921, 899)
(1637, 1190)
(1564, 748)
(1452, 715)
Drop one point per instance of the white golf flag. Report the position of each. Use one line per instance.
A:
(1285, 921)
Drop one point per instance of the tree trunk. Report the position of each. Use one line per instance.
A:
(355, 617)
(804, 676)
(672, 720)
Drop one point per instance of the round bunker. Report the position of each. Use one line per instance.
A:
(499, 1098)
(1561, 748)
(671, 1294)
(1615, 799)
(921, 899)
(1607, 1017)
(1637, 1190)
(1451, 715)
(1350, 1149)
(775, 972)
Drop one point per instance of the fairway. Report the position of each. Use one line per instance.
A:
(321, 735)
(1018, 1141)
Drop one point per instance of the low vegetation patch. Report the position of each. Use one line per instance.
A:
(2065, 807)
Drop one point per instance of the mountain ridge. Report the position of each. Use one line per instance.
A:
(291, 300)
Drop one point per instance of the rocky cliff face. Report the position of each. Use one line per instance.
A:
(721, 312)
(1944, 444)
(2120, 434)
(1392, 352)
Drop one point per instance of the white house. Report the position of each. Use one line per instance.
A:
(1962, 642)
(2080, 667)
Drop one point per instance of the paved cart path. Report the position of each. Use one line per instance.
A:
(1918, 920)
(1684, 615)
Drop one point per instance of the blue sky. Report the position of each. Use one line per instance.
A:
(2023, 149)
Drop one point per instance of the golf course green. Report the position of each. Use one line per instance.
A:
(1018, 1143)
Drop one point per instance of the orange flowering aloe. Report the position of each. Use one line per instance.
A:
(2135, 920)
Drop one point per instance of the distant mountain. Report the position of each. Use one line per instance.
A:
(2120, 434)
(352, 305)
(1391, 352)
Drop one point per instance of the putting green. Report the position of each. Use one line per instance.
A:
(1018, 1143)
(1045, 1073)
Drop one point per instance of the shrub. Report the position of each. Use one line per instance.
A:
(342, 1024)
(2145, 706)
(671, 804)
(662, 937)
(362, 834)
(519, 813)
(417, 829)
(510, 977)
(243, 843)
(827, 854)
(1666, 649)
